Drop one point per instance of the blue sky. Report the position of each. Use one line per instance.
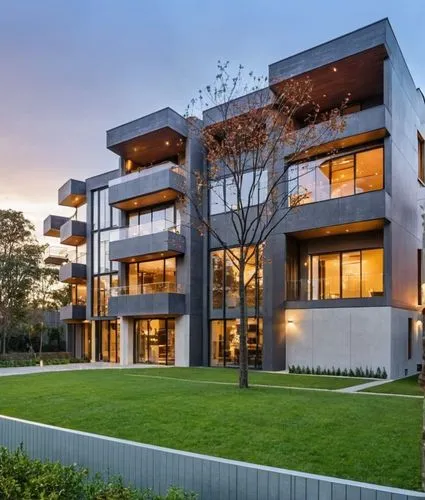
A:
(72, 69)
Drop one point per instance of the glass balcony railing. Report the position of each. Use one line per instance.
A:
(159, 226)
(143, 172)
(77, 257)
(149, 288)
(53, 252)
(336, 287)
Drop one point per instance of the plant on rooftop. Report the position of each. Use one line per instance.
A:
(250, 134)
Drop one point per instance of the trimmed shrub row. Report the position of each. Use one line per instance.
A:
(357, 372)
(16, 363)
(22, 478)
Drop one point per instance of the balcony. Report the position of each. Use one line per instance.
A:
(146, 242)
(52, 225)
(55, 256)
(73, 272)
(150, 139)
(150, 186)
(72, 194)
(155, 299)
(73, 232)
(73, 313)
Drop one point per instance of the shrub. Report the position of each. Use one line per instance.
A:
(22, 478)
(357, 372)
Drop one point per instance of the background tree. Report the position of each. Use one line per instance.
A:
(47, 293)
(250, 135)
(20, 263)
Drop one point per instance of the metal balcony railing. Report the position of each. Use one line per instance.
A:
(143, 172)
(159, 226)
(336, 287)
(149, 288)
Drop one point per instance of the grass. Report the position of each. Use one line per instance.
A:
(373, 439)
(408, 386)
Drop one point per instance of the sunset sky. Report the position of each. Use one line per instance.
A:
(72, 69)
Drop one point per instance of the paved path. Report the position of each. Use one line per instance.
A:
(26, 370)
(365, 385)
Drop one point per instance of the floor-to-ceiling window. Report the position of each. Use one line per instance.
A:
(224, 300)
(327, 178)
(105, 275)
(154, 276)
(345, 275)
(108, 341)
(154, 220)
(154, 341)
(225, 334)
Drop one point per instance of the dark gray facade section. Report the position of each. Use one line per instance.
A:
(73, 229)
(145, 183)
(71, 188)
(157, 468)
(165, 118)
(52, 225)
(73, 313)
(72, 271)
(166, 242)
(150, 305)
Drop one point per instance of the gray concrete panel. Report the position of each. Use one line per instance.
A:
(147, 305)
(165, 242)
(72, 271)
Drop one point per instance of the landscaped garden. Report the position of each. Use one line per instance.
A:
(362, 437)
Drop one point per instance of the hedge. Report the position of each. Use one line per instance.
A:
(22, 478)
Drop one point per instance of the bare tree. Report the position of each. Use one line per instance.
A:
(251, 133)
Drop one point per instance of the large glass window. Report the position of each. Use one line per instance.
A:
(224, 279)
(346, 175)
(154, 341)
(353, 274)
(108, 340)
(154, 276)
(225, 336)
(154, 220)
(223, 192)
(78, 295)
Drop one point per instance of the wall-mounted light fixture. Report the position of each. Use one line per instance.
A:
(290, 321)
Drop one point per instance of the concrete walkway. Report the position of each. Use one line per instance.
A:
(26, 370)
(366, 385)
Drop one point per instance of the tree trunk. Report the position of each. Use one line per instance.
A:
(4, 340)
(41, 343)
(243, 346)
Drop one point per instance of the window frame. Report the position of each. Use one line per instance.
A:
(421, 159)
(341, 275)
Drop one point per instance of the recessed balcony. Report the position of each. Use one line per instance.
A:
(73, 313)
(146, 242)
(72, 193)
(155, 299)
(73, 232)
(55, 256)
(150, 186)
(52, 225)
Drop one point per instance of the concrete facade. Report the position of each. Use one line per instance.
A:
(158, 158)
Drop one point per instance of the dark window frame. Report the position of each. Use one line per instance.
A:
(409, 338)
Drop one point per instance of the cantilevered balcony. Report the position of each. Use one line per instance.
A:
(72, 193)
(55, 256)
(73, 313)
(73, 232)
(146, 242)
(150, 186)
(74, 271)
(52, 225)
(155, 299)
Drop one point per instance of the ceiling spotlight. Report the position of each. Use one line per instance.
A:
(347, 230)
(135, 203)
(325, 95)
(334, 69)
(167, 143)
(328, 232)
(134, 149)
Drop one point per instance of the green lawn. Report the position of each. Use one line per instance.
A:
(373, 439)
(407, 386)
(255, 377)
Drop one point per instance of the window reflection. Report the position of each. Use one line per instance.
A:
(224, 272)
(346, 175)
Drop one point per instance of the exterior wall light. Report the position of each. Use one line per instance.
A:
(290, 321)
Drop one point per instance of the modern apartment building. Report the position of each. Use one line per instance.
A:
(340, 282)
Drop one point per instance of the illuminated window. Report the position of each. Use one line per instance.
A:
(354, 274)
(346, 175)
(421, 158)
(154, 276)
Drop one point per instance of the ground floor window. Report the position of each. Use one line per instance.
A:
(154, 341)
(108, 341)
(225, 342)
(86, 344)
